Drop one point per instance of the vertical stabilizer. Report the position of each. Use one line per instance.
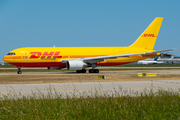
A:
(155, 59)
(148, 38)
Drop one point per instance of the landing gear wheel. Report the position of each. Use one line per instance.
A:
(81, 71)
(93, 71)
(78, 71)
(96, 71)
(19, 72)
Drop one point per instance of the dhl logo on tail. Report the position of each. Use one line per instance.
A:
(48, 55)
(148, 35)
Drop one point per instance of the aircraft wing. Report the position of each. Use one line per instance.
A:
(93, 60)
(149, 53)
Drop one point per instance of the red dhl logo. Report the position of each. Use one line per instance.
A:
(148, 35)
(36, 55)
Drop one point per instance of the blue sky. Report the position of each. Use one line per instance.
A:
(74, 23)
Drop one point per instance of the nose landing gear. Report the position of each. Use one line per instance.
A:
(19, 70)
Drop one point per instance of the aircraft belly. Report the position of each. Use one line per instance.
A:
(39, 64)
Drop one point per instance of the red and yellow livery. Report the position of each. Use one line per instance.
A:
(79, 58)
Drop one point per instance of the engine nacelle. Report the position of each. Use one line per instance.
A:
(75, 65)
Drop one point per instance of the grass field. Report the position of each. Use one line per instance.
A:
(29, 79)
(164, 104)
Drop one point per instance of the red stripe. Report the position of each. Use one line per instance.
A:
(112, 64)
(59, 64)
(40, 64)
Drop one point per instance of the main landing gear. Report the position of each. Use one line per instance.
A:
(93, 71)
(81, 71)
(90, 71)
(19, 70)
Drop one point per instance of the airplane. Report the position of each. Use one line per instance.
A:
(80, 58)
(146, 62)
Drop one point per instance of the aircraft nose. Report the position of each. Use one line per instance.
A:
(4, 59)
(7, 59)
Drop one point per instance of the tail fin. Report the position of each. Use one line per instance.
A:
(155, 59)
(148, 38)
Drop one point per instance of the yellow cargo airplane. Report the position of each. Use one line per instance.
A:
(79, 58)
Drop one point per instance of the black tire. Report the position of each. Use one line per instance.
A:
(19, 72)
(96, 71)
(78, 71)
(83, 70)
(91, 71)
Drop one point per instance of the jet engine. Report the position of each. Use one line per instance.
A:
(76, 65)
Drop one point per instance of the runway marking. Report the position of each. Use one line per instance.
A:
(167, 82)
(81, 90)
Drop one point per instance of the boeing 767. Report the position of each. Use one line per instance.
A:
(79, 58)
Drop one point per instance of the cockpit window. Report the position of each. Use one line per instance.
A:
(11, 54)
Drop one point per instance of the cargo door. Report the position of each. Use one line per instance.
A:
(25, 55)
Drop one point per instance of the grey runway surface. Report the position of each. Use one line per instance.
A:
(69, 88)
(101, 72)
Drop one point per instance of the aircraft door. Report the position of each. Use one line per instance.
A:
(25, 54)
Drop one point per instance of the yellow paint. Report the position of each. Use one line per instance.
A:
(81, 52)
(147, 74)
(101, 77)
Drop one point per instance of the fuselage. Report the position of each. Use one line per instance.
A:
(147, 62)
(79, 58)
(52, 56)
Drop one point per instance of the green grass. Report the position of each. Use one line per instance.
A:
(5, 66)
(164, 104)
